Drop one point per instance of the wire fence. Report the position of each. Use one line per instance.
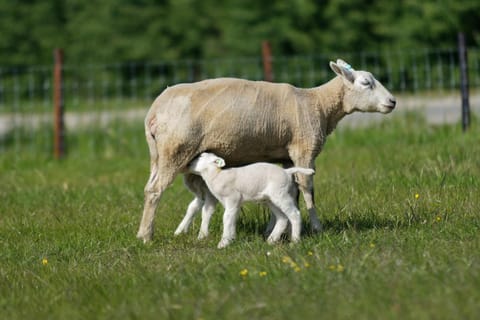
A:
(107, 97)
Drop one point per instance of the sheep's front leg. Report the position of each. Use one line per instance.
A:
(229, 225)
(305, 184)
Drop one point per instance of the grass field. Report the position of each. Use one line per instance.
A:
(400, 204)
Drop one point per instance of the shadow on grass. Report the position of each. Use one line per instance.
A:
(332, 225)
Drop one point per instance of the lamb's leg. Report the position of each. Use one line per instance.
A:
(271, 222)
(291, 211)
(192, 209)
(229, 225)
(280, 225)
(207, 212)
(194, 185)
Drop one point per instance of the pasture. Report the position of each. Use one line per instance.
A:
(399, 202)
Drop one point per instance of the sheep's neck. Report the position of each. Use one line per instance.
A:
(329, 103)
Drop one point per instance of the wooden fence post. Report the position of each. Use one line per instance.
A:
(462, 52)
(267, 61)
(59, 127)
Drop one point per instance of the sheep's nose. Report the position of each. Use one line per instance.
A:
(393, 101)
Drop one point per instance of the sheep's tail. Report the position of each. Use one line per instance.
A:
(304, 171)
(150, 123)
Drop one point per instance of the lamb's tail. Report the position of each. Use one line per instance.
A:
(305, 171)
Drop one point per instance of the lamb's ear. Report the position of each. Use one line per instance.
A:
(343, 69)
(220, 162)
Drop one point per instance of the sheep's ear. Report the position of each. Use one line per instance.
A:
(220, 162)
(343, 69)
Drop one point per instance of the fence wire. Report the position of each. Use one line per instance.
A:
(105, 98)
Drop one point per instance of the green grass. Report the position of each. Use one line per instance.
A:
(383, 254)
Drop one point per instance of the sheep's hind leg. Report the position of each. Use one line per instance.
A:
(157, 183)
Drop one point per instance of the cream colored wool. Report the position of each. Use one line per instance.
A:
(250, 121)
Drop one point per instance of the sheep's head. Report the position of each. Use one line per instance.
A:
(363, 92)
(206, 161)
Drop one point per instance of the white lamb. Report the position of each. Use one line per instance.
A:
(256, 182)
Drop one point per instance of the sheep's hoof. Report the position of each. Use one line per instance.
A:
(146, 237)
(316, 228)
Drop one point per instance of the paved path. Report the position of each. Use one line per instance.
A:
(437, 109)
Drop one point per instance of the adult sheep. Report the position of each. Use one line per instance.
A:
(250, 121)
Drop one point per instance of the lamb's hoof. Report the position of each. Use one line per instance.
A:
(179, 232)
(202, 236)
(223, 243)
(271, 240)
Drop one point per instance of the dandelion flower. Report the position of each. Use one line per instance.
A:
(306, 265)
(372, 245)
(331, 267)
(44, 261)
(244, 272)
(417, 196)
(340, 268)
(310, 253)
(296, 269)
(262, 273)
(286, 259)
(438, 218)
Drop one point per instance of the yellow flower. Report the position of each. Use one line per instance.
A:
(44, 261)
(310, 253)
(417, 196)
(438, 218)
(372, 245)
(337, 268)
(286, 259)
(262, 273)
(297, 268)
(244, 272)
(306, 265)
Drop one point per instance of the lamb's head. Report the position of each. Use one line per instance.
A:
(206, 162)
(362, 91)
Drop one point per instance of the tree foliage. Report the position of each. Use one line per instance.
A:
(145, 30)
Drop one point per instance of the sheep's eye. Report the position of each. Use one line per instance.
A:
(365, 83)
